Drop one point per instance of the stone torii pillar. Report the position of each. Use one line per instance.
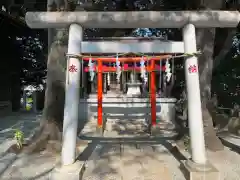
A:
(70, 121)
(187, 20)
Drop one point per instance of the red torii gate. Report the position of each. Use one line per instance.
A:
(100, 69)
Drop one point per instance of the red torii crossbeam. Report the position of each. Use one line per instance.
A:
(126, 68)
(126, 59)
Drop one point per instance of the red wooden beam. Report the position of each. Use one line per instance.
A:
(126, 68)
(126, 59)
(100, 94)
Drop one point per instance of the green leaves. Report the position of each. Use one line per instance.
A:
(19, 137)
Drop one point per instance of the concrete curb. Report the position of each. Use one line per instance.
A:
(71, 172)
(75, 171)
(231, 142)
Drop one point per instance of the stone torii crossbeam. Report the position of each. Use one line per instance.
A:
(133, 19)
(187, 20)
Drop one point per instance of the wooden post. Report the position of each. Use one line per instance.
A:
(153, 94)
(99, 92)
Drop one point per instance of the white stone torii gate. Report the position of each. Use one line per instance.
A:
(187, 20)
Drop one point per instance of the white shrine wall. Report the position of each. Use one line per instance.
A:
(129, 108)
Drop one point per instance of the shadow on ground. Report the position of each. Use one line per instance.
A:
(26, 122)
(22, 167)
(109, 157)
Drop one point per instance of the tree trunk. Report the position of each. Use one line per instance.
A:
(205, 41)
(50, 130)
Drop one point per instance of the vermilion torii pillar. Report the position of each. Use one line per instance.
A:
(187, 20)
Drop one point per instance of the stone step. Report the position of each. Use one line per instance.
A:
(139, 127)
(126, 128)
(125, 99)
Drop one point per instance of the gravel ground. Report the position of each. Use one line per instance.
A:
(127, 158)
(227, 162)
(113, 160)
(128, 162)
(101, 166)
(25, 122)
(108, 162)
(23, 167)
